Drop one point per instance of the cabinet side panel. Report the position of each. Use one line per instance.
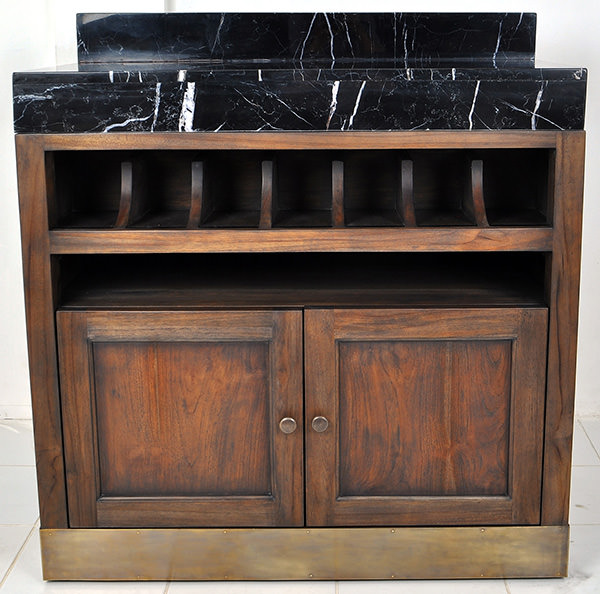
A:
(41, 333)
(562, 342)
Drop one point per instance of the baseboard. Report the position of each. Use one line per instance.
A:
(305, 554)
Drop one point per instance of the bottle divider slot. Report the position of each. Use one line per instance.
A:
(310, 189)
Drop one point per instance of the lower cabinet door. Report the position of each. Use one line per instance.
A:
(424, 417)
(173, 418)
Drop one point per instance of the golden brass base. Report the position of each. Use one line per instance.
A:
(305, 554)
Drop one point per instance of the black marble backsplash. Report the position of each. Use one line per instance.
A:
(218, 72)
(320, 39)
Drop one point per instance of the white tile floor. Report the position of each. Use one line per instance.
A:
(20, 571)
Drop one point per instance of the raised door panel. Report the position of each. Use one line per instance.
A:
(173, 418)
(435, 416)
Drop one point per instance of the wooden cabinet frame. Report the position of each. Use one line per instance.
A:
(560, 242)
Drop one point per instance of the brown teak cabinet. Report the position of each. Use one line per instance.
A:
(169, 418)
(302, 356)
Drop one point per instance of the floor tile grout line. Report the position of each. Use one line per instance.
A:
(506, 586)
(590, 440)
(167, 586)
(14, 561)
(16, 466)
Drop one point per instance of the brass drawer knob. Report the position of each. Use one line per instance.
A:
(320, 424)
(287, 425)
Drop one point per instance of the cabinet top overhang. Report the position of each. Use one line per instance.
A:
(282, 71)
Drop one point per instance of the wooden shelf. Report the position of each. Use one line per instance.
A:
(301, 280)
(451, 139)
(303, 219)
(445, 218)
(233, 219)
(373, 218)
(520, 218)
(310, 240)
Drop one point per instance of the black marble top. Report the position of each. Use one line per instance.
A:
(217, 72)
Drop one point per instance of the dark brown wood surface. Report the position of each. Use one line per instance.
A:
(435, 414)
(185, 423)
(200, 207)
(50, 196)
(418, 433)
(337, 190)
(176, 418)
(41, 338)
(405, 203)
(562, 343)
(477, 203)
(304, 141)
(461, 239)
(268, 203)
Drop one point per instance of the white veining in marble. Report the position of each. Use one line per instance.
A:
(188, 107)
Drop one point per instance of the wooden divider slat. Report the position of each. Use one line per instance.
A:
(337, 191)
(268, 195)
(405, 202)
(476, 206)
(199, 206)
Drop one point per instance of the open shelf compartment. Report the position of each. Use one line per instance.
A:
(250, 189)
(299, 280)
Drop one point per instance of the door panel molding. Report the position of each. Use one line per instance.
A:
(523, 369)
(132, 501)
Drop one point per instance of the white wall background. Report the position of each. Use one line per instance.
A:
(35, 34)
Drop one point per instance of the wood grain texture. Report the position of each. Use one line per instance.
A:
(405, 202)
(135, 199)
(303, 140)
(562, 344)
(41, 337)
(319, 400)
(477, 201)
(175, 419)
(125, 205)
(435, 412)
(78, 413)
(337, 191)
(466, 460)
(268, 202)
(200, 204)
(178, 397)
(460, 239)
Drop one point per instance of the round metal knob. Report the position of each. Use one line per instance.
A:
(287, 425)
(320, 424)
